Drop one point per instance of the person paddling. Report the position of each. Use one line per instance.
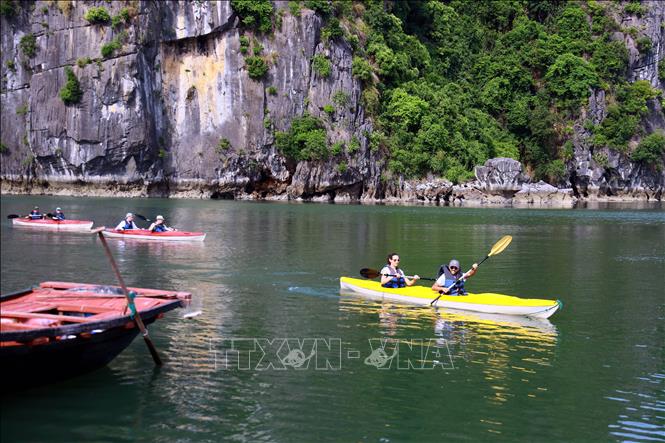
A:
(127, 224)
(35, 214)
(160, 226)
(451, 274)
(59, 215)
(392, 276)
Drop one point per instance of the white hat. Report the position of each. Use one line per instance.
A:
(58, 209)
(159, 217)
(129, 214)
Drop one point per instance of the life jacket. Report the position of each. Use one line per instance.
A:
(395, 282)
(35, 215)
(159, 228)
(451, 279)
(128, 225)
(60, 216)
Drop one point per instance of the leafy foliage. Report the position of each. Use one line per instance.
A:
(256, 67)
(321, 66)
(97, 15)
(256, 14)
(651, 150)
(305, 140)
(28, 45)
(71, 93)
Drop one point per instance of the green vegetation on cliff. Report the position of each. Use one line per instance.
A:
(71, 93)
(451, 84)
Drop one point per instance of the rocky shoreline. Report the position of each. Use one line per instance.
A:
(500, 182)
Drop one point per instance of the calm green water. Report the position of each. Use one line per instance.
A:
(269, 271)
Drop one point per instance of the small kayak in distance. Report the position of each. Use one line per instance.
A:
(54, 225)
(144, 234)
(484, 302)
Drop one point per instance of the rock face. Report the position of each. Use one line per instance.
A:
(172, 111)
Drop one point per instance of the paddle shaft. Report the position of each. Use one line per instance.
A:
(408, 276)
(137, 317)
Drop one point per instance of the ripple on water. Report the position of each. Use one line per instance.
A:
(644, 407)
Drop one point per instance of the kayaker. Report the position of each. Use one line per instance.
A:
(392, 276)
(127, 223)
(160, 226)
(449, 275)
(59, 215)
(35, 214)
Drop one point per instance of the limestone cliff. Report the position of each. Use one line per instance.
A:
(170, 109)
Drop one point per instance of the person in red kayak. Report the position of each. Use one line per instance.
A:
(59, 215)
(449, 276)
(35, 214)
(160, 226)
(392, 276)
(127, 223)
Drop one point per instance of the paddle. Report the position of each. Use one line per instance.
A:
(137, 316)
(373, 273)
(496, 249)
(143, 217)
(10, 216)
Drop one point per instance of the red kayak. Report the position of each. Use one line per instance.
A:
(54, 225)
(144, 234)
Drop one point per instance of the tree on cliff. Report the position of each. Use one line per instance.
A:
(71, 93)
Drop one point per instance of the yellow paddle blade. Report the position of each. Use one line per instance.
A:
(500, 245)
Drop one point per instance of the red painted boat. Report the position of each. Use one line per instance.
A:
(54, 225)
(144, 234)
(59, 330)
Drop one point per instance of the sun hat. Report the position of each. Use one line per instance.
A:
(58, 209)
(159, 217)
(455, 263)
(129, 214)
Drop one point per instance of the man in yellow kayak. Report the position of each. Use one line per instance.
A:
(392, 276)
(451, 280)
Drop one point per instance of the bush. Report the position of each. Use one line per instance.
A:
(340, 98)
(109, 48)
(223, 145)
(7, 8)
(28, 45)
(361, 69)
(255, 14)
(123, 17)
(71, 93)
(570, 78)
(256, 67)
(305, 140)
(11, 65)
(321, 66)
(83, 62)
(272, 90)
(634, 8)
(650, 151)
(329, 109)
(644, 44)
(97, 15)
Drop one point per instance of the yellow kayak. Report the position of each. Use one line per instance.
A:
(485, 302)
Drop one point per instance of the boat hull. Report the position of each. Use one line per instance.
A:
(53, 225)
(485, 302)
(144, 234)
(60, 330)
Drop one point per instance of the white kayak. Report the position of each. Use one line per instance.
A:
(54, 225)
(144, 234)
(485, 302)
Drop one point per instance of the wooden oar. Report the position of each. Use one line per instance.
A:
(373, 273)
(496, 249)
(137, 316)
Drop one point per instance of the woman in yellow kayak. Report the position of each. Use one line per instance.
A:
(392, 276)
(451, 280)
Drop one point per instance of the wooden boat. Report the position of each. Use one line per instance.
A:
(54, 225)
(59, 330)
(144, 234)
